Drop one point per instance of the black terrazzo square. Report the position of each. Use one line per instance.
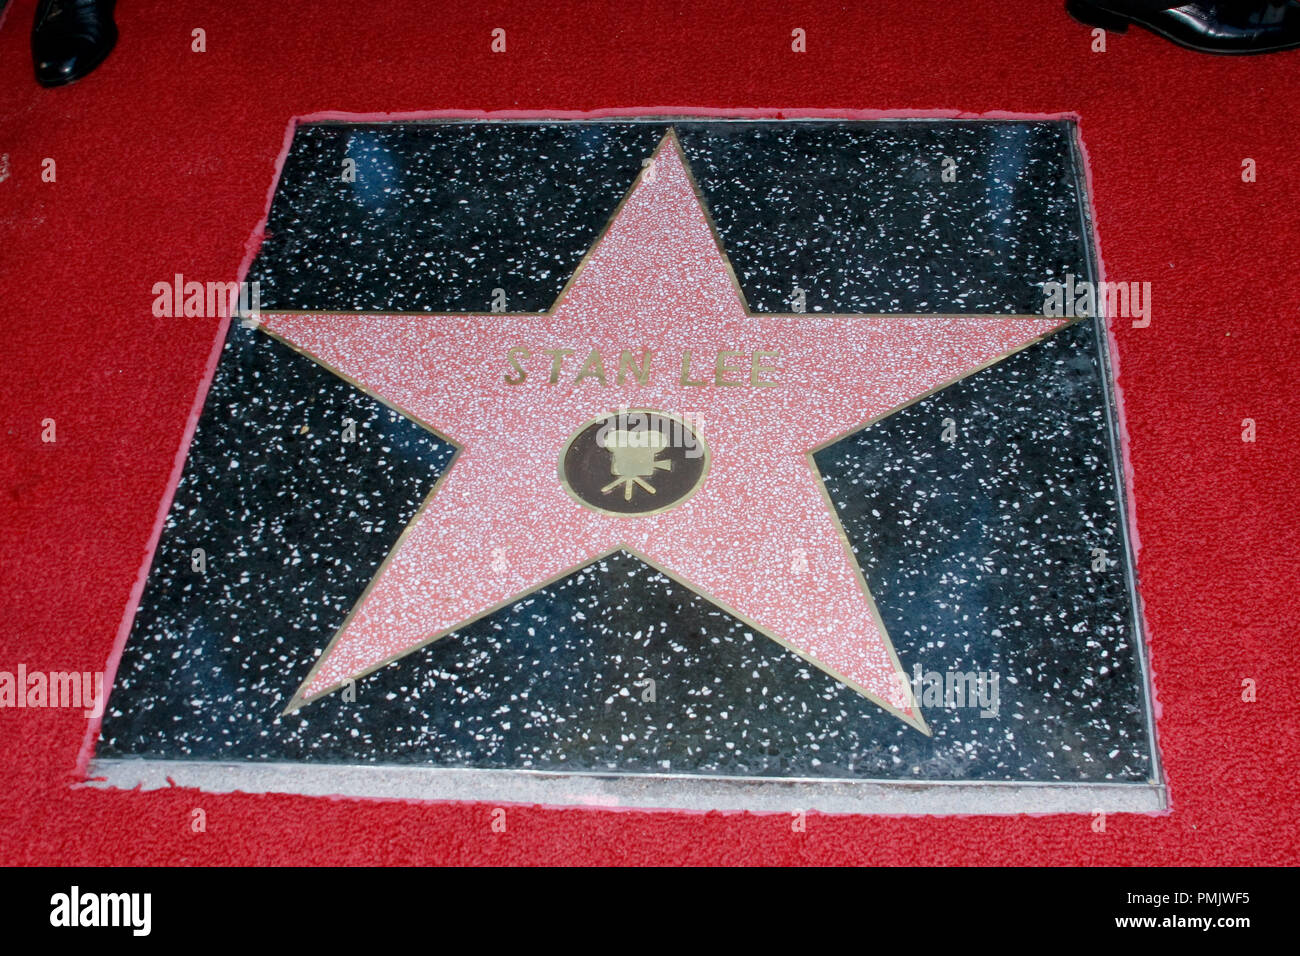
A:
(980, 552)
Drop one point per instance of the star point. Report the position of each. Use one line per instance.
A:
(652, 319)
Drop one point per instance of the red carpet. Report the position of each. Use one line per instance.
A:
(163, 161)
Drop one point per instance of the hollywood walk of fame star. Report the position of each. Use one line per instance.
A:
(653, 319)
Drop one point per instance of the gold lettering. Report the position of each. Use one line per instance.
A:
(513, 357)
(686, 370)
(758, 365)
(592, 368)
(557, 358)
(721, 368)
(625, 365)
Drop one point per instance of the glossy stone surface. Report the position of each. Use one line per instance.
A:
(980, 550)
(858, 215)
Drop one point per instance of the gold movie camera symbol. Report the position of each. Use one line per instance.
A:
(633, 459)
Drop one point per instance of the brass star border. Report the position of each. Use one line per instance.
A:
(671, 139)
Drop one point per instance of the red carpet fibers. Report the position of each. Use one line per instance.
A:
(164, 157)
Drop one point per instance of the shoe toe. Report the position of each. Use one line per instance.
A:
(69, 59)
(55, 71)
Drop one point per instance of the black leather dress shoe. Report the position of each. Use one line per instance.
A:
(1227, 27)
(70, 38)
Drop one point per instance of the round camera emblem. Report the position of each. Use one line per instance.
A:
(633, 462)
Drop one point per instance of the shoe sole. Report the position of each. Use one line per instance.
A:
(68, 81)
(1094, 16)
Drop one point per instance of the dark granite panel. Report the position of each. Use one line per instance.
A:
(980, 550)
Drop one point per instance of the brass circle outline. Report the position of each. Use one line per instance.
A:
(564, 453)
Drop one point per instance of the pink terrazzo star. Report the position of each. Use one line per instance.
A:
(758, 536)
